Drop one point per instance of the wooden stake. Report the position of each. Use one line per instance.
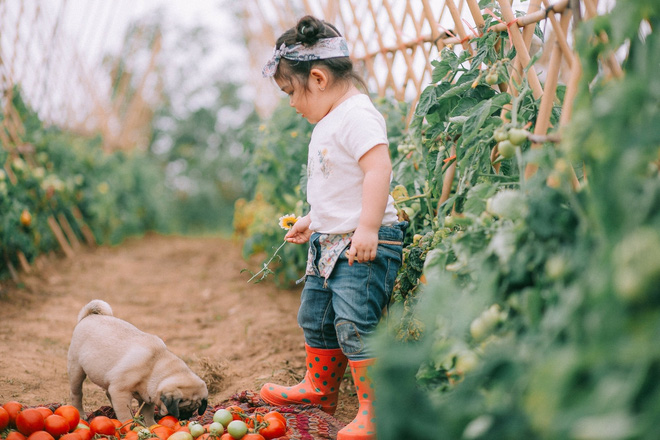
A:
(68, 230)
(86, 231)
(25, 265)
(59, 236)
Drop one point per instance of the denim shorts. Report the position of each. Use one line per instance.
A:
(344, 310)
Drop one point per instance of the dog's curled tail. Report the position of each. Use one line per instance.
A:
(95, 307)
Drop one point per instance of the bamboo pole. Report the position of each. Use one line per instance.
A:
(521, 50)
(547, 101)
(59, 236)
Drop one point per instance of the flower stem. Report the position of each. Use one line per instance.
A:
(267, 263)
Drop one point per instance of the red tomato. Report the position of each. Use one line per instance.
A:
(252, 436)
(15, 435)
(169, 420)
(71, 436)
(44, 411)
(274, 429)
(13, 408)
(130, 435)
(226, 436)
(162, 432)
(236, 411)
(56, 425)
(275, 414)
(4, 418)
(102, 425)
(40, 435)
(29, 420)
(181, 428)
(84, 433)
(70, 413)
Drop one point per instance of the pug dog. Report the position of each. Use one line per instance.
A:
(129, 363)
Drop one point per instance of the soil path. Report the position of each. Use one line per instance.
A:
(188, 291)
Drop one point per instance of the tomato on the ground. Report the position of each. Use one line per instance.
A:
(102, 425)
(162, 432)
(236, 411)
(40, 435)
(15, 435)
(169, 421)
(29, 420)
(71, 436)
(4, 418)
(130, 435)
(276, 428)
(13, 408)
(56, 425)
(84, 433)
(70, 413)
(44, 411)
(277, 415)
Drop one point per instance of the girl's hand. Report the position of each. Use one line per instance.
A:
(364, 245)
(299, 232)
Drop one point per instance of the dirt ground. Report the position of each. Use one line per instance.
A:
(188, 291)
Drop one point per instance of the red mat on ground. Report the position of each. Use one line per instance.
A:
(304, 422)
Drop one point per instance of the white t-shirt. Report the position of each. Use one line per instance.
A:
(334, 178)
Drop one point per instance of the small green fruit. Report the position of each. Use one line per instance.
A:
(518, 135)
(507, 149)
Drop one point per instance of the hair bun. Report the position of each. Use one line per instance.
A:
(309, 30)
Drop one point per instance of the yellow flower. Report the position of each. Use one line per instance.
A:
(294, 134)
(262, 127)
(287, 221)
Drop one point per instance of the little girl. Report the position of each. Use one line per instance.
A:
(352, 226)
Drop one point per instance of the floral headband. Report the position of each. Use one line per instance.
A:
(325, 48)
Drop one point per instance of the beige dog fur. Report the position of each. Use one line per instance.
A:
(129, 363)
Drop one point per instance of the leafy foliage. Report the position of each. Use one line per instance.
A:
(539, 310)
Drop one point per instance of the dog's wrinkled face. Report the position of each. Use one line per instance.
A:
(183, 405)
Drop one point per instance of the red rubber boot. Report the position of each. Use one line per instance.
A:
(320, 386)
(363, 427)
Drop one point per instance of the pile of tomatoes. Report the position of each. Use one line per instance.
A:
(41, 423)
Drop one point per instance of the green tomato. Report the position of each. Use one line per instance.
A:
(466, 361)
(223, 416)
(518, 135)
(196, 429)
(180, 435)
(492, 78)
(507, 149)
(500, 134)
(237, 429)
(216, 428)
(478, 329)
